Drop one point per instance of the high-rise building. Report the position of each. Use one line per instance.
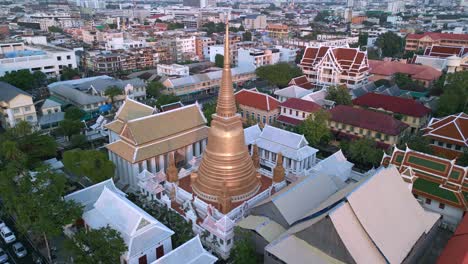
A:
(200, 3)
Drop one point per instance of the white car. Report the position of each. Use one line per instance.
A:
(3, 256)
(20, 250)
(7, 235)
(2, 223)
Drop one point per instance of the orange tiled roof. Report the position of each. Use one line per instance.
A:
(389, 68)
(444, 52)
(348, 59)
(438, 36)
(452, 128)
(256, 100)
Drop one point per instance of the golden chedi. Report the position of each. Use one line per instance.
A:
(226, 170)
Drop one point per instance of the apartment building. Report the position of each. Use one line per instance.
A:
(185, 47)
(294, 111)
(45, 58)
(202, 47)
(277, 31)
(255, 22)
(328, 66)
(411, 112)
(256, 107)
(258, 57)
(348, 122)
(15, 105)
(205, 85)
(415, 42)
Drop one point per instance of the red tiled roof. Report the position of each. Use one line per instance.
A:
(256, 100)
(389, 68)
(453, 128)
(288, 120)
(438, 36)
(444, 51)
(456, 250)
(302, 82)
(349, 59)
(367, 119)
(302, 105)
(393, 104)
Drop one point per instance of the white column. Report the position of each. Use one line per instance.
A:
(153, 164)
(161, 162)
(144, 167)
(204, 141)
(298, 166)
(189, 152)
(197, 149)
(135, 171)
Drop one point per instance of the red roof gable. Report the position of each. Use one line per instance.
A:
(438, 36)
(289, 120)
(302, 82)
(367, 119)
(453, 128)
(256, 100)
(302, 105)
(393, 104)
(388, 68)
(456, 250)
(444, 52)
(349, 59)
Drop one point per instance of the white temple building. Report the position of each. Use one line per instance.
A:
(104, 205)
(191, 252)
(298, 156)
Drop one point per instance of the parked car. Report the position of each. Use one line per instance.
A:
(3, 256)
(20, 250)
(7, 235)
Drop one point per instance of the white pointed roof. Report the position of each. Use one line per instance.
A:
(191, 252)
(293, 91)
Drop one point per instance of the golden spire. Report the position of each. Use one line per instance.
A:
(278, 171)
(171, 171)
(226, 106)
(226, 173)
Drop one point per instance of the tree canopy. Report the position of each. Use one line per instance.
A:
(165, 99)
(278, 74)
(390, 44)
(154, 88)
(315, 128)
(247, 36)
(243, 251)
(93, 164)
(112, 92)
(104, 245)
(365, 152)
(406, 83)
(340, 95)
(74, 113)
(208, 110)
(69, 74)
(322, 16)
(70, 127)
(454, 98)
(219, 61)
(24, 79)
(416, 142)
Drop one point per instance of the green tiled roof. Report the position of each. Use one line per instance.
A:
(455, 175)
(434, 189)
(427, 163)
(399, 158)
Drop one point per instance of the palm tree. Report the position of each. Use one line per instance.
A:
(112, 92)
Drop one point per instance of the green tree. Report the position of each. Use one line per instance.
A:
(219, 61)
(365, 152)
(278, 74)
(243, 251)
(55, 29)
(438, 87)
(390, 44)
(241, 28)
(172, 26)
(38, 148)
(165, 99)
(154, 88)
(363, 37)
(78, 141)
(208, 110)
(463, 159)
(405, 82)
(93, 164)
(340, 95)
(104, 246)
(315, 128)
(322, 16)
(416, 142)
(24, 79)
(112, 92)
(455, 95)
(247, 36)
(74, 113)
(69, 74)
(70, 127)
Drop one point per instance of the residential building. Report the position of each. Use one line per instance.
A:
(342, 221)
(255, 22)
(257, 57)
(348, 122)
(328, 66)
(173, 70)
(46, 58)
(89, 94)
(136, 152)
(277, 31)
(204, 85)
(411, 112)
(298, 158)
(448, 135)
(438, 184)
(186, 48)
(386, 70)
(15, 105)
(104, 205)
(416, 42)
(257, 107)
(202, 47)
(292, 91)
(51, 114)
(294, 111)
